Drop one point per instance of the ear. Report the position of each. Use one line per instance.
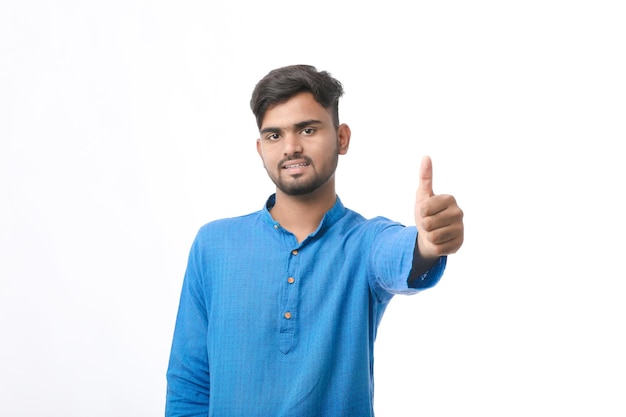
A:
(343, 138)
(259, 149)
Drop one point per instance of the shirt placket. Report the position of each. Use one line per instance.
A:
(289, 307)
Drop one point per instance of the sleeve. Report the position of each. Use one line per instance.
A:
(391, 261)
(428, 278)
(188, 369)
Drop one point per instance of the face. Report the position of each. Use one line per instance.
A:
(300, 146)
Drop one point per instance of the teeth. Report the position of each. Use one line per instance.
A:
(295, 166)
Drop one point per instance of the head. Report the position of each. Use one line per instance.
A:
(296, 109)
(281, 84)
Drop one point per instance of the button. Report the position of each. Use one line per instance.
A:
(287, 315)
(291, 280)
(275, 226)
(294, 252)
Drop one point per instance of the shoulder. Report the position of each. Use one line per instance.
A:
(369, 225)
(228, 227)
(368, 230)
(229, 222)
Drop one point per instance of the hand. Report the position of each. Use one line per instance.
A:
(438, 218)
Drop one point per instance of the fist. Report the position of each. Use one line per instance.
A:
(438, 218)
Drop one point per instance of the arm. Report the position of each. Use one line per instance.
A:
(425, 273)
(423, 252)
(396, 264)
(439, 222)
(188, 370)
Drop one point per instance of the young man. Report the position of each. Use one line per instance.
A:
(279, 308)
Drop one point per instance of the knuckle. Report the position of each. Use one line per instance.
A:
(428, 223)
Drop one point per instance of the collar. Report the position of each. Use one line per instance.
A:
(331, 217)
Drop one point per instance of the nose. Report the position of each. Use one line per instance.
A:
(293, 144)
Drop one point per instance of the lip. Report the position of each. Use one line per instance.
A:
(295, 164)
(295, 167)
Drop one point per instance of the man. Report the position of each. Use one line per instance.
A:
(279, 308)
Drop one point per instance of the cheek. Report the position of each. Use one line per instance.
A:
(262, 155)
(268, 160)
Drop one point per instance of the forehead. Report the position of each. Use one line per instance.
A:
(300, 107)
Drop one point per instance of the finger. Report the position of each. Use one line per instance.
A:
(437, 204)
(425, 187)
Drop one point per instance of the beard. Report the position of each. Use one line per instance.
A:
(298, 185)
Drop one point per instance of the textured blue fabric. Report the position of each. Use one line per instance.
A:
(269, 327)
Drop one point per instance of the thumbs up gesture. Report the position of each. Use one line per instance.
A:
(438, 218)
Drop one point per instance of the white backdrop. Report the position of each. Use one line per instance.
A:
(125, 126)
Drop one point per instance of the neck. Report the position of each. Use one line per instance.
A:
(301, 215)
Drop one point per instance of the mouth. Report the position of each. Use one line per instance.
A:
(296, 165)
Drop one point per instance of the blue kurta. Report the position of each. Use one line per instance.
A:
(271, 327)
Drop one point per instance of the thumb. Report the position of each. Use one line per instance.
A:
(425, 187)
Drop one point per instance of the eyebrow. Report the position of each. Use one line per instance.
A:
(296, 126)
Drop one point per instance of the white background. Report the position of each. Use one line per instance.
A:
(125, 126)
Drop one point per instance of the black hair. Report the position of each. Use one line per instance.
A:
(281, 84)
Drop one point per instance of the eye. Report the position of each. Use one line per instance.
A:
(272, 136)
(308, 130)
